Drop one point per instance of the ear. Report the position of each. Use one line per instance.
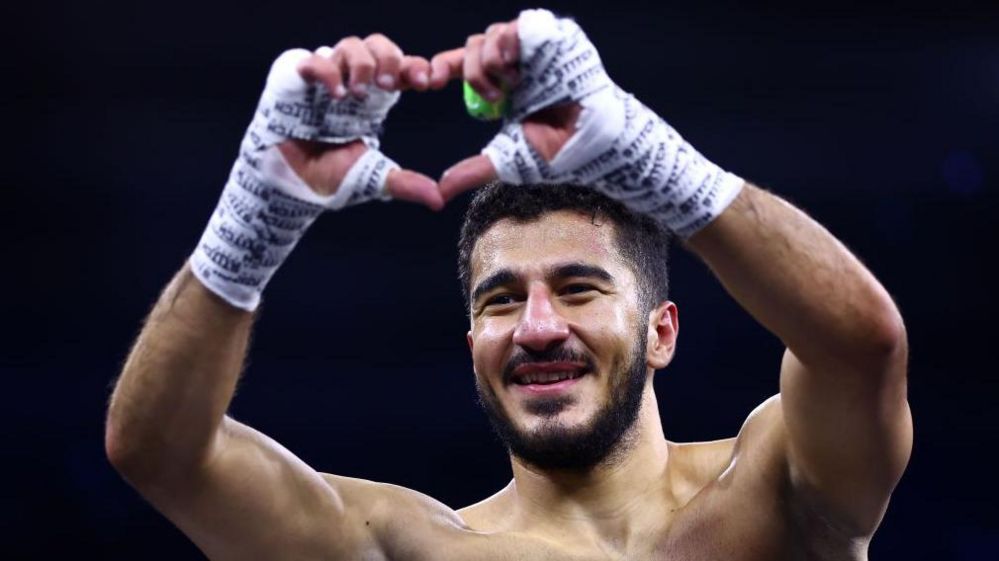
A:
(471, 347)
(663, 329)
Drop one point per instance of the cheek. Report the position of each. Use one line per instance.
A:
(489, 344)
(608, 321)
(610, 335)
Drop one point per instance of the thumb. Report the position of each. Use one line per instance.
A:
(466, 175)
(414, 187)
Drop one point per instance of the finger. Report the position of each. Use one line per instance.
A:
(472, 70)
(467, 174)
(492, 58)
(415, 73)
(509, 44)
(388, 59)
(445, 67)
(357, 63)
(414, 187)
(319, 68)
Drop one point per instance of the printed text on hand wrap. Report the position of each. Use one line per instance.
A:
(620, 146)
(265, 208)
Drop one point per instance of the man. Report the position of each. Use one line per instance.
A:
(569, 316)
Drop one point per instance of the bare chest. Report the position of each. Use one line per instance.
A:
(716, 526)
(719, 526)
(722, 524)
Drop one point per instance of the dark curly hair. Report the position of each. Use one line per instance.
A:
(642, 242)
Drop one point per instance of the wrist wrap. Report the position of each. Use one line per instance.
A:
(265, 208)
(620, 146)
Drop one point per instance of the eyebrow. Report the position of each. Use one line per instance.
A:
(507, 276)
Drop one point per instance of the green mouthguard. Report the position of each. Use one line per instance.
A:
(481, 108)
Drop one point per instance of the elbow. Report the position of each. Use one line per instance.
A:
(139, 464)
(129, 452)
(148, 456)
(119, 448)
(884, 341)
(890, 337)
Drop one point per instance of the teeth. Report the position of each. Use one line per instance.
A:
(546, 377)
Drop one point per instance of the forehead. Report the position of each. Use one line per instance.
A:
(554, 237)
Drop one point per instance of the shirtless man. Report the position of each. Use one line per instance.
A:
(569, 321)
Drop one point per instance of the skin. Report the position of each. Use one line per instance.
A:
(808, 476)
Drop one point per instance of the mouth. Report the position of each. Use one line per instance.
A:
(547, 378)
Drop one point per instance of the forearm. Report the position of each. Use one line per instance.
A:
(178, 380)
(800, 282)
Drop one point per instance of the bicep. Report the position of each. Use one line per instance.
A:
(253, 499)
(849, 436)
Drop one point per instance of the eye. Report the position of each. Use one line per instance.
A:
(578, 288)
(500, 299)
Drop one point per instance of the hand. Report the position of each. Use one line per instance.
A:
(312, 146)
(490, 63)
(357, 73)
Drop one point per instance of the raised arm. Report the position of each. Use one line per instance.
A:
(843, 379)
(236, 493)
(233, 491)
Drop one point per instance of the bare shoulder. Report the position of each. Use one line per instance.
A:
(754, 456)
(757, 475)
(491, 514)
(404, 524)
(761, 475)
(384, 503)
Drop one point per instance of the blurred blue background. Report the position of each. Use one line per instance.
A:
(123, 121)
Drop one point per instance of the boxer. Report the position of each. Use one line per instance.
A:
(563, 262)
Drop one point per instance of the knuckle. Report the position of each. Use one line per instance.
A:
(330, 69)
(364, 66)
(376, 42)
(390, 60)
(349, 41)
(417, 63)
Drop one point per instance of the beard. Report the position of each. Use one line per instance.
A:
(554, 446)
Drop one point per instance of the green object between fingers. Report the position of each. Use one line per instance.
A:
(481, 108)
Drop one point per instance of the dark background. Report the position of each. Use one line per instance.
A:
(122, 123)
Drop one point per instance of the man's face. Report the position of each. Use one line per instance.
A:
(557, 343)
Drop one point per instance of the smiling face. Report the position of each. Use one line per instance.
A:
(558, 340)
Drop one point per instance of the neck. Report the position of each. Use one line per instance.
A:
(608, 502)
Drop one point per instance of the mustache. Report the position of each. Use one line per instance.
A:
(555, 354)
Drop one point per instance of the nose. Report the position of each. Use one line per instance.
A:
(540, 327)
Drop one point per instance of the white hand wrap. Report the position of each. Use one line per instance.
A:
(265, 207)
(620, 147)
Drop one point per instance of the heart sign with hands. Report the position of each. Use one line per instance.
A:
(313, 142)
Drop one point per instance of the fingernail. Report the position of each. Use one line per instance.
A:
(360, 89)
(386, 81)
(422, 79)
(492, 95)
(339, 91)
(506, 56)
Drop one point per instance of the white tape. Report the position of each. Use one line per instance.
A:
(265, 207)
(620, 146)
